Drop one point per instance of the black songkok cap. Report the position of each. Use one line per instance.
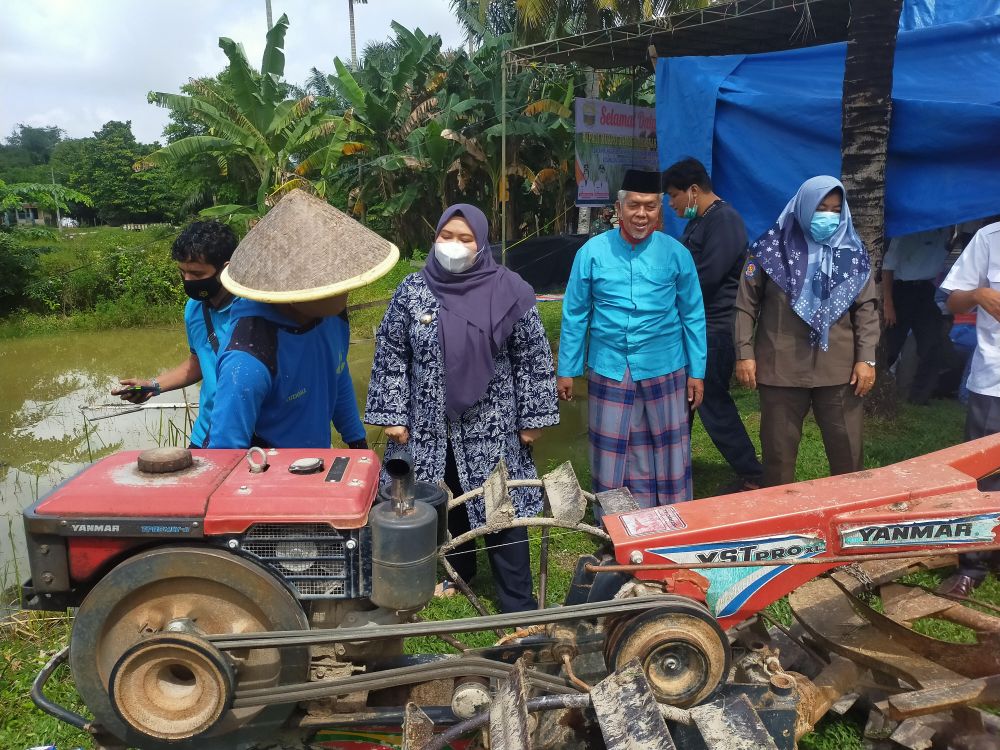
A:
(637, 181)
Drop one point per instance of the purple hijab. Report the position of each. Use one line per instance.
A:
(479, 308)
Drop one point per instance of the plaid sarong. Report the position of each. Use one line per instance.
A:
(639, 437)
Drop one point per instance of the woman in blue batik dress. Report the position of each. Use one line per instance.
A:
(463, 377)
(806, 329)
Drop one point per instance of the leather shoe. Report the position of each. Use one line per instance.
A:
(957, 584)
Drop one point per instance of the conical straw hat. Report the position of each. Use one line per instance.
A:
(304, 249)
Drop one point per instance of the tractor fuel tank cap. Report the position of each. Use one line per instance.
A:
(306, 466)
(164, 460)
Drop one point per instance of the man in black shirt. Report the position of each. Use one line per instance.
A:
(717, 238)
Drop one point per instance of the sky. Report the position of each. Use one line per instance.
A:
(79, 63)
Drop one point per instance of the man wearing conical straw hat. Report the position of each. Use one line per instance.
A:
(282, 373)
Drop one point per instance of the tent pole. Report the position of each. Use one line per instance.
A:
(504, 190)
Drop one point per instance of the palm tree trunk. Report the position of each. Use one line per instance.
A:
(867, 109)
(354, 41)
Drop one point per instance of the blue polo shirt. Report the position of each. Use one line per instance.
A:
(194, 322)
(637, 307)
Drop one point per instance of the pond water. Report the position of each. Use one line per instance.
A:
(50, 385)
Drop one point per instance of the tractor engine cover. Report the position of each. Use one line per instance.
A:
(300, 513)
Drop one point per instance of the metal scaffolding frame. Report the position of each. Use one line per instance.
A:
(737, 27)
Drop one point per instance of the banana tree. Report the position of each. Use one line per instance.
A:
(483, 129)
(398, 96)
(251, 119)
(554, 147)
(441, 163)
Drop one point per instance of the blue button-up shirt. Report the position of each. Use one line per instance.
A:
(641, 306)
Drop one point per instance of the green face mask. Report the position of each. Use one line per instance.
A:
(691, 211)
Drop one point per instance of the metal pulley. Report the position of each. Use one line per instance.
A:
(140, 661)
(684, 653)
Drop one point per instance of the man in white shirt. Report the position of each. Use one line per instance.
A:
(974, 281)
(909, 270)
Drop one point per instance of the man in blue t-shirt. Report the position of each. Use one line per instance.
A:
(283, 375)
(201, 252)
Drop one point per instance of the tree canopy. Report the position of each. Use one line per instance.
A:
(410, 129)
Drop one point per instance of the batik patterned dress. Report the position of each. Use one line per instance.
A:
(408, 384)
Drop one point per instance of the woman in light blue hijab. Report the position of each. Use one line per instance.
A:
(816, 257)
(807, 327)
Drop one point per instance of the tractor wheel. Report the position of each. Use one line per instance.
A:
(141, 665)
(683, 651)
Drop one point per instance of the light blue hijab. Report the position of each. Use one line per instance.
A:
(821, 279)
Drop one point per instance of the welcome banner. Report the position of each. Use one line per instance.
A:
(610, 139)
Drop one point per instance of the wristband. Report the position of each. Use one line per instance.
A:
(156, 386)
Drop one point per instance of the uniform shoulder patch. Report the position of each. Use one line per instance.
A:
(751, 269)
(257, 337)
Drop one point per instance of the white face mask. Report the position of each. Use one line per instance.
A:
(454, 256)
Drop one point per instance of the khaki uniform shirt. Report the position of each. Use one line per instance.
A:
(769, 331)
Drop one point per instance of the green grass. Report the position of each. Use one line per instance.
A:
(365, 314)
(833, 734)
(106, 316)
(551, 315)
(565, 548)
(988, 592)
(27, 641)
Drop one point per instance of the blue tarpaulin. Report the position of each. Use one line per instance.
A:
(763, 124)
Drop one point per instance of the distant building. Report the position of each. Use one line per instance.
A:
(29, 214)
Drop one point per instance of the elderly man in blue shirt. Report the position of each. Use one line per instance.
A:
(633, 313)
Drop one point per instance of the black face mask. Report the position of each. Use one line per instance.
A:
(202, 290)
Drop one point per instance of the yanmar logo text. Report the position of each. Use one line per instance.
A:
(95, 528)
(930, 531)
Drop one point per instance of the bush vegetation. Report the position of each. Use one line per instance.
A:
(90, 278)
(110, 278)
